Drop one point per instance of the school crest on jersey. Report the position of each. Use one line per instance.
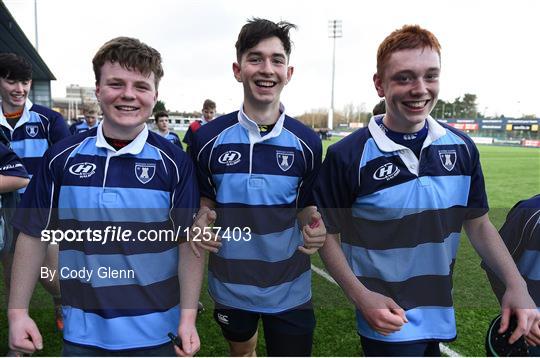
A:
(32, 130)
(448, 159)
(145, 171)
(285, 160)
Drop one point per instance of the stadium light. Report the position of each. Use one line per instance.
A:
(335, 31)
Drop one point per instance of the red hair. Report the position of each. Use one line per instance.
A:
(407, 38)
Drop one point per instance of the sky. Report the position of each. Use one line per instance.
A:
(490, 49)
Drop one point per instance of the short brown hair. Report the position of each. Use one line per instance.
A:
(209, 104)
(407, 38)
(160, 114)
(131, 54)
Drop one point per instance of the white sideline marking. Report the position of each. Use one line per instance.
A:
(444, 349)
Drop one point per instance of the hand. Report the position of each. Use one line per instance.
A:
(190, 341)
(533, 338)
(382, 313)
(201, 231)
(314, 234)
(516, 301)
(24, 335)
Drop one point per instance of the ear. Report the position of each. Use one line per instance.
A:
(290, 71)
(236, 71)
(378, 82)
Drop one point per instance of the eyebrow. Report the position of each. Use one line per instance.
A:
(259, 53)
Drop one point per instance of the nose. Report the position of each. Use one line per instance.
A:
(128, 93)
(266, 66)
(19, 87)
(419, 88)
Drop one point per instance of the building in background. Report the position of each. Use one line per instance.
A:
(77, 98)
(13, 39)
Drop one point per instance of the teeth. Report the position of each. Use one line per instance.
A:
(416, 104)
(265, 83)
(126, 108)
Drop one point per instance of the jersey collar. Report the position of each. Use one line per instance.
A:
(253, 128)
(134, 148)
(435, 131)
(24, 118)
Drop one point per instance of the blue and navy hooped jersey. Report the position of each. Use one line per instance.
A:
(521, 235)
(37, 129)
(76, 128)
(258, 183)
(400, 219)
(147, 187)
(10, 163)
(172, 137)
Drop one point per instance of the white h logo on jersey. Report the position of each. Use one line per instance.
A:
(83, 170)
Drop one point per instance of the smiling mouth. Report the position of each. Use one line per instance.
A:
(18, 96)
(126, 108)
(416, 104)
(265, 84)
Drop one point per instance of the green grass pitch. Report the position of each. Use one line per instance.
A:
(510, 173)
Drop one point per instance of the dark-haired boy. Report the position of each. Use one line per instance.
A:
(162, 124)
(396, 194)
(256, 166)
(29, 130)
(121, 176)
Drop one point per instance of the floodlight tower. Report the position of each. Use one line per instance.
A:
(36, 24)
(335, 31)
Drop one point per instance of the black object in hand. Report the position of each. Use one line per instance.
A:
(497, 343)
(176, 341)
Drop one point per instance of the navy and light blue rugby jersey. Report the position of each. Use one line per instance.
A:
(10, 163)
(147, 185)
(260, 183)
(76, 128)
(521, 235)
(37, 129)
(400, 219)
(172, 137)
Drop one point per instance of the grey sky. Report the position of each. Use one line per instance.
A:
(489, 48)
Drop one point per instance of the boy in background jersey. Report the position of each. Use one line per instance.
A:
(398, 193)
(29, 130)
(208, 113)
(162, 124)
(118, 175)
(90, 121)
(256, 166)
(521, 235)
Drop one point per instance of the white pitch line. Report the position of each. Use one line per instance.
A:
(444, 349)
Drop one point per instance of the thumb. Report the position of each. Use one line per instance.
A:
(212, 216)
(35, 337)
(186, 344)
(314, 220)
(505, 320)
(397, 310)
